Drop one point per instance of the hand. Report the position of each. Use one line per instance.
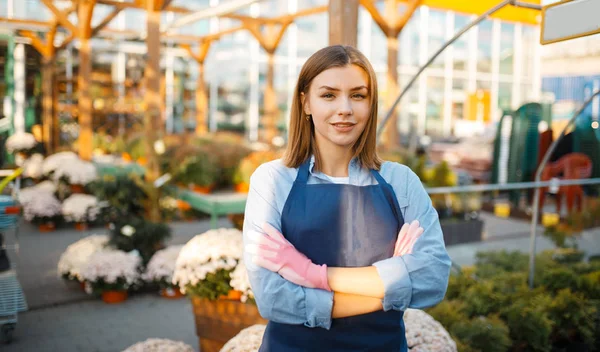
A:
(407, 237)
(273, 252)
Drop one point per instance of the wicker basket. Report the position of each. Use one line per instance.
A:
(219, 321)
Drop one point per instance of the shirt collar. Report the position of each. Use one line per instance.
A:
(353, 169)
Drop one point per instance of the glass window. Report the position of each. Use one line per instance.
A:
(484, 84)
(233, 92)
(507, 48)
(459, 88)
(461, 47)
(408, 107)
(311, 27)
(437, 36)
(529, 45)
(434, 106)
(409, 41)
(504, 96)
(484, 47)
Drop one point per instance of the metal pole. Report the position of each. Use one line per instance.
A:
(447, 44)
(538, 175)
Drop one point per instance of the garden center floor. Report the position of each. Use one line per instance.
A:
(61, 319)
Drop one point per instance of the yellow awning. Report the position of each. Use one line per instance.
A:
(478, 7)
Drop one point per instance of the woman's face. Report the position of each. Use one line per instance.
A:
(339, 102)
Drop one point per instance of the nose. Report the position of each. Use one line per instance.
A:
(345, 107)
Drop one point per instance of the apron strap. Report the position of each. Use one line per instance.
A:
(388, 190)
(302, 176)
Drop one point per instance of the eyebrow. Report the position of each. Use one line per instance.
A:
(337, 90)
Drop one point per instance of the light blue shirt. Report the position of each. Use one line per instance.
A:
(416, 280)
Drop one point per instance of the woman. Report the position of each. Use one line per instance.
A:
(331, 261)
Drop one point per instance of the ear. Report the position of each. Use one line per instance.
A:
(305, 103)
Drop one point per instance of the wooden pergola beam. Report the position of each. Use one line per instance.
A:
(61, 16)
(115, 12)
(36, 42)
(141, 6)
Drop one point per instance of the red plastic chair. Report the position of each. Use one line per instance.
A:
(572, 166)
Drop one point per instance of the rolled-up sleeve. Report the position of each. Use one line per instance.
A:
(277, 299)
(420, 279)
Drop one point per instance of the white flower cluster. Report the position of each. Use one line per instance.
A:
(207, 253)
(247, 340)
(423, 333)
(46, 186)
(20, 141)
(168, 203)
(52, 162)
(32, 167)
(38, 203)
(241, 282)
(162, 264)
(159, 345)
(78, 172)
(80, 208)
(112, 264)
(77, 255)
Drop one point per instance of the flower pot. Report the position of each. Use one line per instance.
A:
(171, 293)
(113, 297)
(219, 321)
(142, 161)
(242, 187)
(202, 189)
(182, 205)
(81, 226)
(77, 189)
(47, 227)
(126, 157)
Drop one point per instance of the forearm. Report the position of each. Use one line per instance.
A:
(348, 305)
(364, 281)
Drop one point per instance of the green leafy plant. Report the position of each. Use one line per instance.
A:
(123, 195)
(138, 234)
(213, 286)
(489, 334)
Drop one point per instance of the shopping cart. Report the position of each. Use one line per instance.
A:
(12, 300)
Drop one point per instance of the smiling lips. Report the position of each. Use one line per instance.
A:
(343, 126)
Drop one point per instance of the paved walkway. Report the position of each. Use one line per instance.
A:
(66, 320)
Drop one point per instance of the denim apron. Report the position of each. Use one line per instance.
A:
(342, 226)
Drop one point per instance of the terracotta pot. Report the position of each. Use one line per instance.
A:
(81, 226)
(77, 189)
(113, 297)
(142, 161)
(126, 157)
(171, 293)
(82, 286)
(219, 321)
(233, 295)
(202, 189)
(242, 187)
(183, 206)
(47, 227)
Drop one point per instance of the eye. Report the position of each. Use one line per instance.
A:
(327, 96)
(359, 96)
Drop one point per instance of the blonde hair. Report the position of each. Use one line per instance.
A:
(301, 138)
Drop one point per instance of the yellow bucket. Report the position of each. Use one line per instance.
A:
(550, 219)
(502, 210)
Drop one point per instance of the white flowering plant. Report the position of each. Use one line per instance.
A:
(54, 161)
(112, 270)
(81, 208)
(32, 167)
(205, 263)
(247, 340)
(20, 142)
(40, 206)
(159, 345)
(241, 282)
(75, 172)
(77, 255)
(161, 267)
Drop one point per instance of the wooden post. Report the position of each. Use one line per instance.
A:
(153, 127)
(271, 111)
(201, 102)
(343, 21)
(85, 141)
(47, 106)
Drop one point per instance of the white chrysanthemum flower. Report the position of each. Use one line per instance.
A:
(46, 186)
(77, 255)
(77, 171)
(32, 167)
(38, 204)
(162, 265)
(80, 208)
(241, 282)
(159, 345)
(247, 340)
(207, 253)
(111, 265)
(53, 161)
(20, 141)
(423, 333)
(127, 230)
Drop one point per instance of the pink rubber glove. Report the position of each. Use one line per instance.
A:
(407, 237)
(273, 252)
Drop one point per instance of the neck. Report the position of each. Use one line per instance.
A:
(335, 160)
